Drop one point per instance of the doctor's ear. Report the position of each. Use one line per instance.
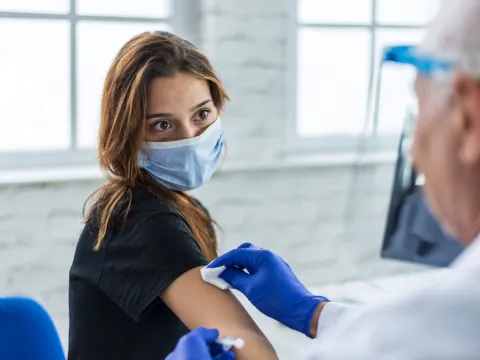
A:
(466, 98)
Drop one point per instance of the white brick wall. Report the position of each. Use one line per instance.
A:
(246, 43)
(309, 215)
(300, 214)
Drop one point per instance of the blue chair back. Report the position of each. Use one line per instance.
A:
(27, 331)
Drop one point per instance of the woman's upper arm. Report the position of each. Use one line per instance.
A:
(197, 304)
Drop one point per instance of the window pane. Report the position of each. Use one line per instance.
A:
(98, 43)
(406, 12)
(145, 8)
(397, 81)
(333, 73)
(35, 85)
(42, 6)
(328, 11)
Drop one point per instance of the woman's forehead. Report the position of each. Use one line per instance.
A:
(178, 90)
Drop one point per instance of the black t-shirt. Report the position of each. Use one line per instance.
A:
(115, 308)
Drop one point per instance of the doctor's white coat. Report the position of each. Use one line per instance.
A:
(437, 322)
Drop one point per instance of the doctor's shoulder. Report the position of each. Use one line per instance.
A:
(440, 321)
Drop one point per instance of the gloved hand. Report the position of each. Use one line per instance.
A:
(270, 285)
(199, 345)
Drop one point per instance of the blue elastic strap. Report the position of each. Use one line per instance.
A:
(423, 63)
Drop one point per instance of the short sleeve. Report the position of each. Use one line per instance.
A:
(145, 258)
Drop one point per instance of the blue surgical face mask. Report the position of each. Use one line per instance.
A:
(186, 164)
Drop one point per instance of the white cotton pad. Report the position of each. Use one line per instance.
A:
(211, 276)
(228, 343)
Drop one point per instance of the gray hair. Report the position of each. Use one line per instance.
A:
(455, 34)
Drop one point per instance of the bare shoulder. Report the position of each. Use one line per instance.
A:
(199, 304)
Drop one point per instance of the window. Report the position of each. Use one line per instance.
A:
(338, 48)
(54, 58)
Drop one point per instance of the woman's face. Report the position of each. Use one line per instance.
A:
(178, 107)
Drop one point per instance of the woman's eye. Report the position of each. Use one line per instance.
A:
(202, 114)
(162, 125)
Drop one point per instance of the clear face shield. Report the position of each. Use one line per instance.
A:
(411, 232)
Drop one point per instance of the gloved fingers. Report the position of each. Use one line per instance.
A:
(196, 342)
(228, 355)
(216, 349)
(242, 258)
(237, 278)
(248, 245)
(207, 335)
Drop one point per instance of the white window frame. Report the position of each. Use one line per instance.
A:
(331, 144)
(184, 22)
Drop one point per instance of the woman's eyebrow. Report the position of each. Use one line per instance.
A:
(159, 115)
(196, 107)
(166, 115)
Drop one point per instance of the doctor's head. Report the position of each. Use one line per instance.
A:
(446, 145)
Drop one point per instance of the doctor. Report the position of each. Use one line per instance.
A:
(437, 322)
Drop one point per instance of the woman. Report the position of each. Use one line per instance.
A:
(135, 285)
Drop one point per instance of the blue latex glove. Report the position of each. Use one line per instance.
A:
(200, 345)
(270, 285)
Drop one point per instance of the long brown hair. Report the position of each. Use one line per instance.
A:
(123, 112)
